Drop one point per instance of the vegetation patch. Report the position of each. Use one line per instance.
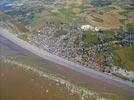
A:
(67, 12)
(124, 13)
(23, 36)
(101, 59)
(90, 38)
(107, 9)
(22, 28)
(120, 76)
(37, 22)
(60, 32)
(108, 35)
(124, 56)
(130, 28)
(100, 3)
(98, 19)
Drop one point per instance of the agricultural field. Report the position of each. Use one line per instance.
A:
(104, 15)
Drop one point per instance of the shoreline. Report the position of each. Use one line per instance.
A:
(67, 64)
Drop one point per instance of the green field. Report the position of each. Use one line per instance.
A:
(124, 56)
(90, 38)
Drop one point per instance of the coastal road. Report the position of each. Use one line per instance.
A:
(125, 85)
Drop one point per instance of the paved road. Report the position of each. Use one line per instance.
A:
(78, 68)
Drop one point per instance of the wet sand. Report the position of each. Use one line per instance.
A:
(17, 84)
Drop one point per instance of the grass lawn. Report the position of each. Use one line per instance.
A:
(90, 38)
(124, 56)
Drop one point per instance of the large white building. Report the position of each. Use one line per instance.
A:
(89, 27)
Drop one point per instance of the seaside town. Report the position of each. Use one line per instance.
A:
(71, 46)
